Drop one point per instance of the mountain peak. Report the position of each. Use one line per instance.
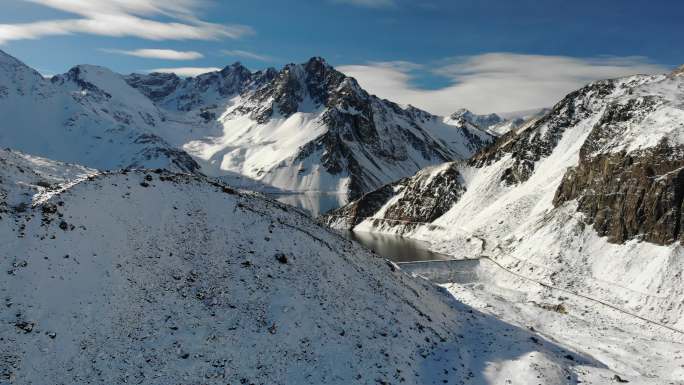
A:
(317, 60)
(236, 67)
(480, 121)
(12, 65)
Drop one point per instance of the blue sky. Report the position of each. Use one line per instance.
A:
(488, 55)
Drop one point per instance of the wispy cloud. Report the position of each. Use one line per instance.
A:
(120, 18)
(493, 82)
(368, 3)
(167, 54)
(185, 71)
(247, 55)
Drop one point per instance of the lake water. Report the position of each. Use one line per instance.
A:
(392, 247)
(396, 248)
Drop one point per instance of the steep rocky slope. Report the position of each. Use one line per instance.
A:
(588, 197)
(157, 278)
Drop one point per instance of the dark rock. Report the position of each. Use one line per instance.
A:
(425, 197)
(282, 258)
(25, 326)
(626, 196)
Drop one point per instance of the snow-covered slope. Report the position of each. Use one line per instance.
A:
(587, 198)
(158, 278)
(307, 127)
(26, 180)
(88, 116)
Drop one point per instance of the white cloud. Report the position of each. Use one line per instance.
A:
(368, 3)
(494, 82)
(167, 54)
(246, 55)
(121, 18)
(185, 71)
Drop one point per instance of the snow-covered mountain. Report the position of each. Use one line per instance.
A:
(495, 124)
(88, 116)
(155, 277)
(587, 198)
(306, 127)
(464, 116)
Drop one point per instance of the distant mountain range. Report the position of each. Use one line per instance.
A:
(306, 127)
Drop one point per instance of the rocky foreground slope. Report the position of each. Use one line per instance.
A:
(151, 277)
(588, 198)
(306, 127)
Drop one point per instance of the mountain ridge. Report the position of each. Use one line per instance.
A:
(592, 188)
(306, 127)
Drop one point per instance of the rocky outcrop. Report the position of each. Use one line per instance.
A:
(428, 195)
(417, 200)
(628, 194)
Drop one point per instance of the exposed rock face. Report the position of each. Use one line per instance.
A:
(359, 126)
(428, 195)
(625, 196)
(155, 86)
